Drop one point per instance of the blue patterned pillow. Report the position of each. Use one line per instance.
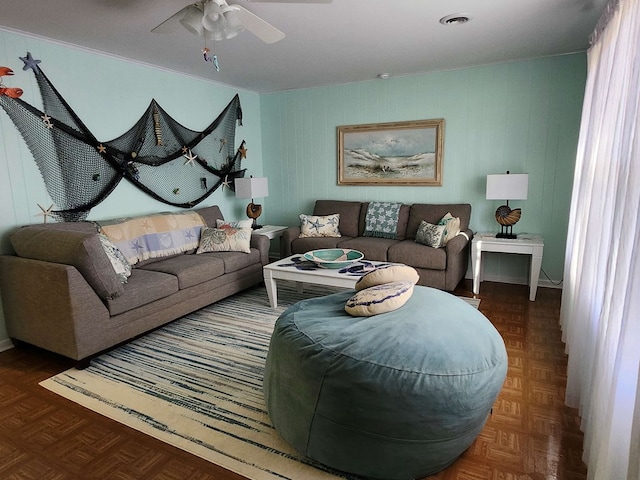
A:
(431, 235)
(382, 219)
(319, 225)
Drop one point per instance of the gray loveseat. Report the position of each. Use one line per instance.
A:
(61, 293)
(441, 268)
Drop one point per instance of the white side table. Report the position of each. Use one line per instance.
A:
(524, 244)
(270, 231)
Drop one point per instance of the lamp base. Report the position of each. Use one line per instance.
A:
(254, 211)
(506, 231)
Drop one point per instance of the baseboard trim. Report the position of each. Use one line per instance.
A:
(5, 344)
(542, 282)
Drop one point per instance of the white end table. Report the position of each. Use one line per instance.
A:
(525, 244)
(270, 231)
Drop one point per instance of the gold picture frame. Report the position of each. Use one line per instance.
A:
(400, 153)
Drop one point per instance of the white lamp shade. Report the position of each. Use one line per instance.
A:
(253, 187)
(509, 186)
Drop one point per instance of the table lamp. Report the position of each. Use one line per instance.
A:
(252, 187)
(509, 186)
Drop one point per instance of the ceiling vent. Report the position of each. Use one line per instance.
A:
(455, 19)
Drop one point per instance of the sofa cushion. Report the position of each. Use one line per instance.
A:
(190, 269)
(120, 264)
(419, 256)
(319, 225)
(431, 235)
(210, 215)
(433, 213)
(453, 227)
(144, 286)
(303, 245)
(225, 239)
(374, 248)
(76, 245)
(349, 214)
(403, 217)
(381, 220)
(234, 261)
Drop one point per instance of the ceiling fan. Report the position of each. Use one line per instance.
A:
(217, 20)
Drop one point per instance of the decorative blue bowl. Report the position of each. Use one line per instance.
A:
(333, 257)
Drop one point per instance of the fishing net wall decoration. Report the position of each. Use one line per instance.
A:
(168, 161)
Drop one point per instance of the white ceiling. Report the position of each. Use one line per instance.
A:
(344, 41)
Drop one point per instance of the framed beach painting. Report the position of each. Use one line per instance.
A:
(401, 153)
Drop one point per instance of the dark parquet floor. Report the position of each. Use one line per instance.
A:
(531, 434)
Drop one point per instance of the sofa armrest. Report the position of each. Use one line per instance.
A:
(459, 242)
(262, 243)
(51, 305)
(457, 259)
(79, 249)
(288, 236)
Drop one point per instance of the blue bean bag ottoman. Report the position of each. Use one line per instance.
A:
(398, 395)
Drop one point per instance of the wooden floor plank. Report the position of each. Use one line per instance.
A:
(531, 434)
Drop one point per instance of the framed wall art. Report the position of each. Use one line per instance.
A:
(401, 153)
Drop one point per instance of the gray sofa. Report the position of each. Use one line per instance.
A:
(441, 268)
(61, 293)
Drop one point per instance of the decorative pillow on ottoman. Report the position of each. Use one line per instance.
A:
(319, 226)
(388, 274)
(379, 299)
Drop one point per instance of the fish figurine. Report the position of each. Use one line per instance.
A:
(11, 92)
(7, 91)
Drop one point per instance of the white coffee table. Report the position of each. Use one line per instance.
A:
(284, 270)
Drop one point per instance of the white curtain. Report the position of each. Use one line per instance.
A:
(600, 312)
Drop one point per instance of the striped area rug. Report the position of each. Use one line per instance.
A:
(197, 384)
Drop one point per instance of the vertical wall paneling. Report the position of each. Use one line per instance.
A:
(109, 95)
(519, 116)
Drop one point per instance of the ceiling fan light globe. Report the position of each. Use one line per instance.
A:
(192, 20)
(213, 24)
(215, 36)
(233, 21)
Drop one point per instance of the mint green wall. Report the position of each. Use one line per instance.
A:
(109, 95)
(520, 116)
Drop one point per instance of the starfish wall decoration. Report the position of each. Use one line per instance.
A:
(45, 212)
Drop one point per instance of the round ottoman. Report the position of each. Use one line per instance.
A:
(394, 396)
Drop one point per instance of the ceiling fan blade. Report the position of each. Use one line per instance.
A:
(171, 24)
(261, 29)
